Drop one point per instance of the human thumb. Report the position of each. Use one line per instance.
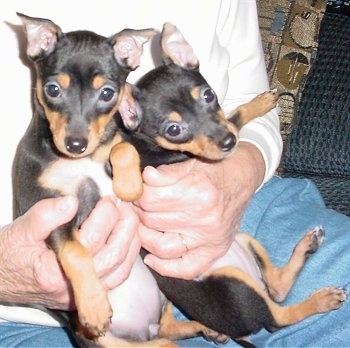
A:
(166, 174)
(48, 214)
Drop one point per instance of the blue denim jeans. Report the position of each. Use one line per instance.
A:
(278, 216)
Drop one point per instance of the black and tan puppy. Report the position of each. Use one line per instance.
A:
(181, 118)
(80, 83)
(179, 113)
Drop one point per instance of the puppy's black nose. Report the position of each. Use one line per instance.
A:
(76, 145)
(228, 143)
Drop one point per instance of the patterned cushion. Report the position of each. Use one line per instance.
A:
(289, 31)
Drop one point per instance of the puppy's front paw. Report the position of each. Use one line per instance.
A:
(265, 102)
(127, 178)
(95, 311)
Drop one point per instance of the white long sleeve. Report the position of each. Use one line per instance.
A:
(224, 35)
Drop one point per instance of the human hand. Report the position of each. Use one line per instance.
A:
(110, 233)
(30, 272)
(190, 211)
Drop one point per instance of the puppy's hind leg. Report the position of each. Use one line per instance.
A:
(321, 301)
(175, 330)
(280, 280)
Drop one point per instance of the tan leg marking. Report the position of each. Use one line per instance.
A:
(257, 107)
(280, 280)
(93, 307)
(127, 179)
(321, 301)
(173, 329)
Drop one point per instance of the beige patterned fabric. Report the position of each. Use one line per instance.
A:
(289, 31)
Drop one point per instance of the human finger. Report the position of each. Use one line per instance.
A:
(122, 271)
(166, 174)
(163, 244)
(189, 266)
(98, 226)
(46, 215)
(117, 250)
(163, 186)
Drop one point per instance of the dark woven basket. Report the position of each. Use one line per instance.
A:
(318, 147)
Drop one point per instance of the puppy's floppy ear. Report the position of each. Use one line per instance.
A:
(176, 49)
(128, 46)
(42, 35)
(129, 109)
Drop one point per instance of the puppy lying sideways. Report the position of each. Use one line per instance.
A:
(180, 117)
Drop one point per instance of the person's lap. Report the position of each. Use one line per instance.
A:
(278, 216)
(294, 207)
(26, 335)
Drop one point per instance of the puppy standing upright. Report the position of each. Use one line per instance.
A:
(80, 83)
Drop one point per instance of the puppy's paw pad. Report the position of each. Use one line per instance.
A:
(96, 315)
(316, 237)
(214, 336)
(266, 101)
(311, 241)
(329, 298)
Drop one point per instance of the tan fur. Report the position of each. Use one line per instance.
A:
(127, 179)
(91, 298)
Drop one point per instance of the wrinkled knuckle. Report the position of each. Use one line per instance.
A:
(124, 272)
(147, 201)
(214, 218)
(163, 251)
(206, 198)
(146, 219)
(190, 272)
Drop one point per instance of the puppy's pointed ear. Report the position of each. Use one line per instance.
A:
(128, 46)
(129, 109)
(42, 35)
(176, 49)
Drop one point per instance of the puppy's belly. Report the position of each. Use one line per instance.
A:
(66, 176)
(240, 256)
(137, 304)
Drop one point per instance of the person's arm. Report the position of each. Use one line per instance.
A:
(239, 35)
(29, 271)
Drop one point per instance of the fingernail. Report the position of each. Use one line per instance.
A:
(65, 203)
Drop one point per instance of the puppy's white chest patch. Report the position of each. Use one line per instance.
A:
(66, 175)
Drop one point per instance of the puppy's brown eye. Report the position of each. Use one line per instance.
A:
(106, 94)
(174, 130)
(53, 90)
(208, 95)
